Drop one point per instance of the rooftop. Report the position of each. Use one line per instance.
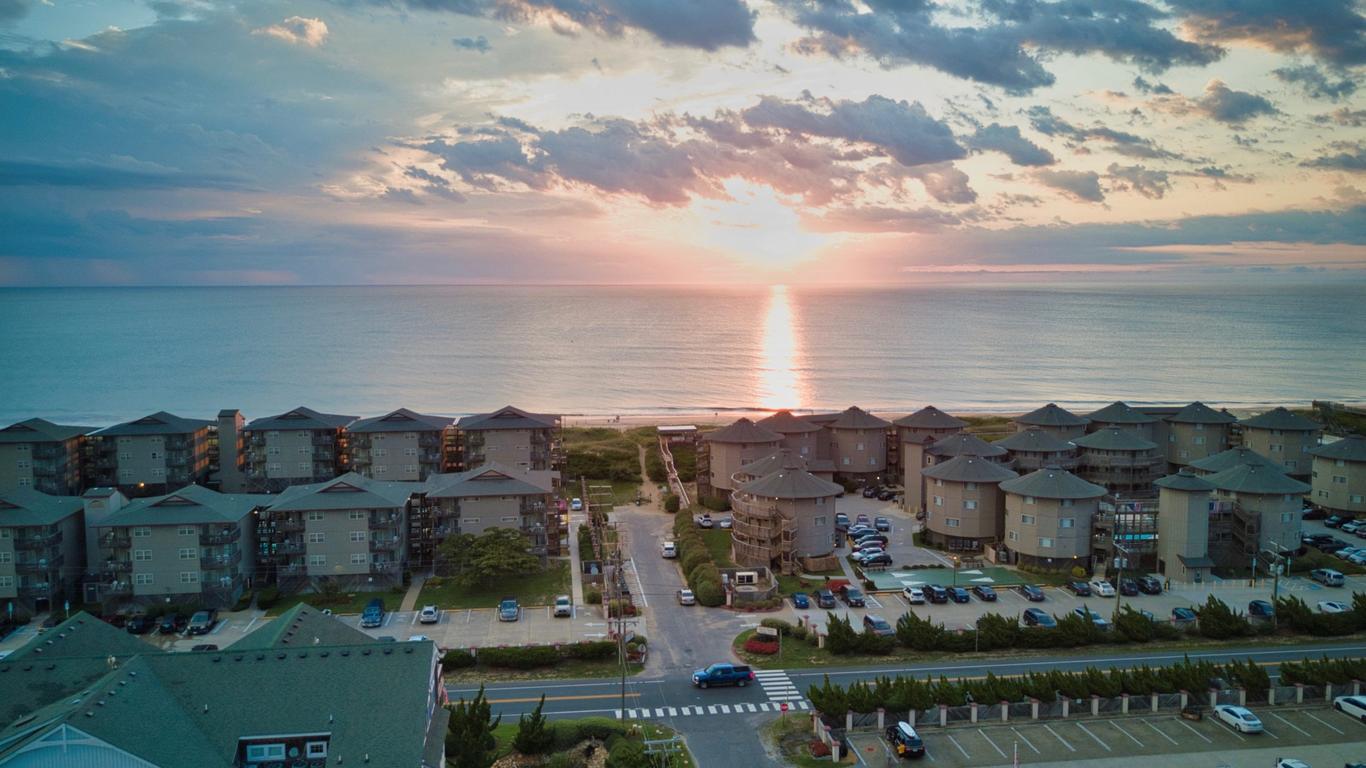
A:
(402, 420)
(350, 491)
(1035, 441)
(1052, 415)
(1256, 479)
(743, 432)
(1114, 439)
(1233, 457)
(1185, 480)
(1349, 448)
(492, 479)
(509, 417)
(40, 431)
(191, 505)
(1120, 412)
(791, 482)
(1053, 483)
(969, 469)
(1199, 413)
(930, 417)
(1282, 419)
(301, 627)
(301, 418)
(25, 506)
(159, 423)
(965, 445)
(855, 417)
(784, 422)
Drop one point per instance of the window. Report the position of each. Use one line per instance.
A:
(858, 446)
(409, 451)
(410, 468)
(872, 461)
(21, 464)
(274, 467)
(358, 535)
(1340, 463)
(1185, 454)
(187, 530)
(142, 579)
(317, 559)
(970, 505)
(6, 558)
(1029, 499)
(1356, 498)
(304, 466)
(1290, 464)
(1026, 519)
(4, 533)
(186, 553)
(470, 520)
(317, 537)
(508, 519)
(1276, 447)
(951, 522)
(1013, 536)
(1067, 522)
(1339, 480)
(1199, 440)
(189, 577)
(820, 502)
(1171, 438)
(356, 514)
(845, 461)
(972, 486)
(1287, 517)
(142, 555)
(6, 582)
(303, 450)
(359, 558)
(142, 532)
(1045, 543)
(25, 482)
(259, 753)
(1068, 502)
(938, 483)
(274, 450)
(818, 521)
(1199, 427)
(381, 451)
(939, 501)
(315, 515)
(315, 749)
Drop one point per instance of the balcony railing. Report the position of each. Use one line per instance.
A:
(115, 541)
(383, 545)
(384, 567)
(220, 562)
(37, 566)
(290, 525)
(35, 590)
(216, 538)
(114, 589)
(118, 566)
(385, 521)
(45, 541)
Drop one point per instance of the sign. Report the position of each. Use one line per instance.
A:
(783, 706)
(766, 631)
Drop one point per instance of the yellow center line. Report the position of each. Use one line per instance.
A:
(563, 698)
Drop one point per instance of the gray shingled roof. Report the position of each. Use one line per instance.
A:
(1199, 413)
(1282, 419)
(1053, 483)
(191, 505)
(350, 491)
(1114, 439)
(508, 417)
(743, 431)
(791, 482)
(1185, 480)
(301, 627)
(930, 417)
(1052, 415)
(1120, 412)
(1233, 457)
(301, 418)
(855, 417)
(772, 463)
(1349, 448)
(25, 506)
(491, 479)
(1257, 480)
(965, 445)
(969, 469)
(40, 431)
(784, 422)
(401, 420)
(159, 423)
(1036, 441)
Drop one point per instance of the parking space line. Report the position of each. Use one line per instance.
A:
(1269, 733)
(960, 746)
(1325, 723)
(992, 743)
(1292, 725)
(1059, 738)
(1160, 732)
(1026, 740)
(1132, 738)
(1097, 738)
(1207, 739)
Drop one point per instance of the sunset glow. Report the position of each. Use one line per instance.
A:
(780, 384)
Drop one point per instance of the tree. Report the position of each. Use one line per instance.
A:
(672, 503)
(497, 554)
(454, 554)
(469, 735)
(329, 591)
(533, 738)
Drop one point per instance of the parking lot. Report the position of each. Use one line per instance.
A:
(1109, 738)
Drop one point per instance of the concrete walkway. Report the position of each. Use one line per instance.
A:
(410, 597)
(575, 574)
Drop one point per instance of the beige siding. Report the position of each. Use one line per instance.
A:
(727, 458)
(16, 468)
(289, 454)
(480, 513)
(165, 566)
(1289, 449)
(507, 446)
(912, 461)
(948, 513)
(1182, 528)
(395, 456)
(329, 546)
(1192, 442)
(804, 444)
(1339, 485)
(859, 451)
(1279, 516)
(1062, 433)
(9, 580)
(815, 520)
(1145, 431)
(1032, 537)
(141, 459)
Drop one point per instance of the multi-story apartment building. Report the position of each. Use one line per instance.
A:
(1265, 506)
(1122, 461)
(1048, 518)
(401, 445)
(1184, 526)
(231, 445)
(964, 444)
(858, 443)
(511, 437)
(1339, 475)
(1196, 431)
(914, 434)
(776, 461)
(298, 446)
(727, 449)
(490, 496)
(191, 546)
(1284, 437)
(42, 549)
(1122, 415)
(1233, 457)
(966, 506)
(1056, 421)
(150, 455)
(1034, 448)
(41, 456)
(351, 529)
(802, 438)
(783, 517)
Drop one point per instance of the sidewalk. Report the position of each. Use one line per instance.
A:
(410, 597)
(575, 574)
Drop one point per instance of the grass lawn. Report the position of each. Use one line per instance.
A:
(718, 544)
(787, 584)
(347, 602)
(539, 588)
(507, 731)
(570, 669)
(791, 736)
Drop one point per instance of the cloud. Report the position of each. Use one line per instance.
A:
(880, 219)
(1078, 185)
(1152, 184)
(1226, 105)
(1008, 49)
(708, 25)
(1008, 140)
(1351, 156)
(1131, 145)
(1143, 86)
(1315, 83)
(1352, 118)
(904, 130)
(479, 44)
(116, 173)
(13, 10)
(1331, 30)
(297, 30)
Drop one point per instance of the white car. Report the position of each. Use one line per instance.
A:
(914, 595)
(576, 505)
(1290, 762)
(1332, 606)
(725, 522)
(864, 554)
(564, 606)
(1352, 705)
(1103, 588)
(429, 615)
(1347, 552)
(1238, 718)
(686, 597)
(1096, 618)
(418, 638)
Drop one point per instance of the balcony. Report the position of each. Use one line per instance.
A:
(218, 538)
(290, 525)
(291, 547)
(220, 562)
(36, 567)
(385, 521)
(114, 589)
(383, 568)
(118, 566)
(45, 541)
(115, 541)
(384, 545)
(35, 590)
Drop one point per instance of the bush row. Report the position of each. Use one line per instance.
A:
(700, 571)
(1322, 671)
(531, 656)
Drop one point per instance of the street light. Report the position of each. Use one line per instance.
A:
(955, 570)
(1120, 563)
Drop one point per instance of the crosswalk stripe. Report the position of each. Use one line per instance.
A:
(631, 713)
(803, 705)
(725, 710)
(766, 706)
(787, 698)
(672, 712)
(752, 708)
(618, 713)
(659, 712)
(711, 710)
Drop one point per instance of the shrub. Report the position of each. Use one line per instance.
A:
(1219, 622)
(783, 627)
(1134, 626)
(710, 593)
(716, 504)
(267, 598)
(533, 736)
(243, 602)
(840, 638)
(457, 658)
(818, 748)
(592, 596)
(919, 634)
(766, 647)
(672, 503)
(592, 650)
(628, 753)
(695, 556)
(529, 657)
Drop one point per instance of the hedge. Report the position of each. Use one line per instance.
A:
(530, 657)
(457, 658)
(267, 598)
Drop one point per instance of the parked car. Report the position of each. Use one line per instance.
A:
(1183, 615)
(1335, 521)
(825, 599)
(882, 524)
(576, 505)
(1358, 559)
(1262, 609)
(686, 597)
(870, 491)
(564, 607)
(984, 593)
(800, 600)
(1079, 588)
(202, 623)
(723, 674)
(1346, 552)
(863, 519)
(139, 625)
(1314, 513)
(1290, 762)
(914, 595)
(878, 559)
(704, 521)
(428, 615)
(726, 522)
(1351, 705)
(1360, 533)
(1038, 617)
(1327, 577)
(1238, 718)
(860, 529)
(841, 521)
(1128, 587)
(172, 623)
(1350, 526)
(205, 647)
(886, 494)
(373, 614)
(668, 550)
(1332, 606)
(959, 595)
(860, 555)
(878, 626)
(936, 594)
(1102, 588)
(852, 596)
(870, 541)
(1032, 593)
(1085, 612)
(905, 741)
(508, 609)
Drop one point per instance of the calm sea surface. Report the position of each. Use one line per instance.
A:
(102, 355)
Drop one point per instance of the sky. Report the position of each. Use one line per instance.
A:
(196, 142)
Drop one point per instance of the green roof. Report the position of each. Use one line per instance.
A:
(1035, 441)
(1120, 412)
(82, 636)
(1349, 448)
(791, 482)
(1199, 413)
(772, 463)
(1052, 415)
(40, 431)
(486, 480)
(1185, 480)
(25, 506)
(969, 469)
(1053, 483)
(509, 417)
(301, 627)
(301, 418)
(1256, 479)
(159, 423)
(965, 445)
(350, 491)
(402, 420)
(191, 505)
(742, 431)
(930, 417)
(855, 417)
(1233, 457)
(1282, 419)
(1114, 439)
(785, 423)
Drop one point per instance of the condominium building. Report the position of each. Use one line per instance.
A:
(1196, 431)
(41, 456)
(803, 438)
(192, 546)
(511, 437)
(727, 449)
(1122, 461)
(231, 443)
(1233, 457)
(965, 444)
(1284, 437)
(914, 434)
(966, 505)
(351, 529)
(1124, 416)
(776, 461)
(783, 517)
(1056, 421)
(1339, 475)
(475, 501)
(1265, 506)
(858, 444)
(150, 455)
(1183, 526)
(42, 549)
(1034, 448)
(401, 445)
(1048, 518)
(298, 446)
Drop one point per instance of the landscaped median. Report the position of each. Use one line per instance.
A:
(592, 658)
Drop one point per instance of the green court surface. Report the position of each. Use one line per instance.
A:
(967, 577)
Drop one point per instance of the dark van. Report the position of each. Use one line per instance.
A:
(905, 740)
(373, 615)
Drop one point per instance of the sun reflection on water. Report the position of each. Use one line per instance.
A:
(779, 383)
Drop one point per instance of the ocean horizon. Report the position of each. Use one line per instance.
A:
(102, 355)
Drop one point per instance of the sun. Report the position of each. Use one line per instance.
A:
(756, 226)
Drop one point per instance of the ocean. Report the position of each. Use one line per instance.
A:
(101, 355)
